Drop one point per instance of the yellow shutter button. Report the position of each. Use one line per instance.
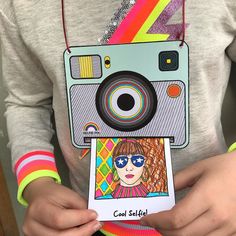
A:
(107, 61)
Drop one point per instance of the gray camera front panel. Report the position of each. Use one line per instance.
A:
(169, 121)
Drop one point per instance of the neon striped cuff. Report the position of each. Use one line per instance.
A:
(34, 165)
(232, 147)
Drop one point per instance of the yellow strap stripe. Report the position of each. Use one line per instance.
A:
(142, 35)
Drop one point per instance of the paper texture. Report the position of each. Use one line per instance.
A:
(130, 178)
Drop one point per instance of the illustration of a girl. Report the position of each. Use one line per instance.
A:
(138, 169)
(129, 168)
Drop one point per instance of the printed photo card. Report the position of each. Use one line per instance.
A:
(130, 177)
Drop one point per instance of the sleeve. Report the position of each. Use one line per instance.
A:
(28, 109)
(231, 22)
(231, 50)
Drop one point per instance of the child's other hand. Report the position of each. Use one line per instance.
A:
(57, 210)
(210, 206)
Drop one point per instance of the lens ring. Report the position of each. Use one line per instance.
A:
(138, 94)
(140, 88)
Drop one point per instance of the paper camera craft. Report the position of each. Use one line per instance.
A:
(128, 90)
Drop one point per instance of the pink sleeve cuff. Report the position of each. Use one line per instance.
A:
(34, 165)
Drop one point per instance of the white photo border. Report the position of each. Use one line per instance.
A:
(130, 208)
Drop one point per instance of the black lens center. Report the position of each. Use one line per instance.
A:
(125, 102)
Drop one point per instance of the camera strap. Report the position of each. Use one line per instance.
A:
(142, 9)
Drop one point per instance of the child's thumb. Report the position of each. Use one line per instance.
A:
(188, 176)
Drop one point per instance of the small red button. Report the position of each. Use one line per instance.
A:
(173, 90)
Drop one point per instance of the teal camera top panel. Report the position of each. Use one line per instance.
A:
(154, 60)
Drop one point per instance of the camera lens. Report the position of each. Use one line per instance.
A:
(125, 102)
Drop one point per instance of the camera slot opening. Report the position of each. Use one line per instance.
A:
(172, 139)
(87, 140)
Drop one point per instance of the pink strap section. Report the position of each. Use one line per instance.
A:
(125, 24)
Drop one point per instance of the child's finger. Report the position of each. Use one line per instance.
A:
(200, 226)
(71, 199)
(56, 217)
(188, 176)
(86, 229)
(184, 212)
(37, 229)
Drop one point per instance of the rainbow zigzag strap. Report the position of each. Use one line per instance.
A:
(32, 166)
(146, 21)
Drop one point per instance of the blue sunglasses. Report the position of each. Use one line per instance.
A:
(137, 160)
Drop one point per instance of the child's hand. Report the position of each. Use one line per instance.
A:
(209, 208)
(57, 210)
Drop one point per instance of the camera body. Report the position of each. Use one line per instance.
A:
(128, 90)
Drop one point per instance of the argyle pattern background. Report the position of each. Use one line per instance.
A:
(104, 176)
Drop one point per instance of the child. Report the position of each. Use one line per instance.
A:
(33, 42)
